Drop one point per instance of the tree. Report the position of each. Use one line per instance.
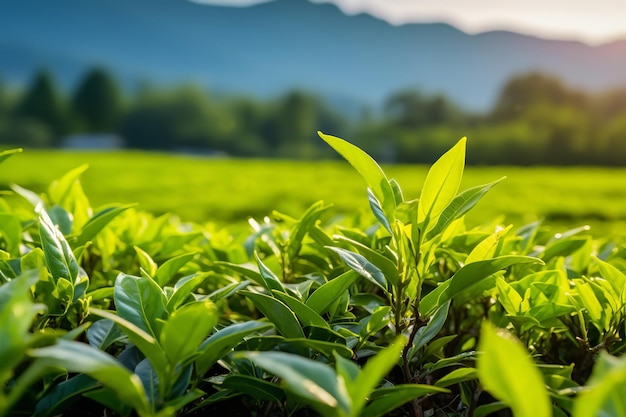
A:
(182, 118)
(521, 93)
(97, 102)
(42, 103)
(412, 110)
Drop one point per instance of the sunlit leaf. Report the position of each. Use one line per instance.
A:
(442, 183)
(278, 313)
(459, 206)
(506, 370)
(359, 264)
(369, 170)
(606, 392)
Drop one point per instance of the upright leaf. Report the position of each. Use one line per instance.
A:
(140, 301)
(166, 272)
(378, 211)
(329, 292)
(59, 257)
(441, 184)
(302, 228)
(186, 328)
(487, 247)
(369, 170)
(11, 231)
(269, 278)
(68, 193)
(98, 222)
(460, 205)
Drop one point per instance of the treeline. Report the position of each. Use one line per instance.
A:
(536, 120)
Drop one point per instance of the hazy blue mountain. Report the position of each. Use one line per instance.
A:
(272, 47)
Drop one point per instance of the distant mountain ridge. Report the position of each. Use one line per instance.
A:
(271, 47)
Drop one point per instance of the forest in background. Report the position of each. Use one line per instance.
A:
(536, 120)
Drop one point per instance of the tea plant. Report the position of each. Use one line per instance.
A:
(405, 313)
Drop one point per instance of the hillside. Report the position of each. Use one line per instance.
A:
(269, 48)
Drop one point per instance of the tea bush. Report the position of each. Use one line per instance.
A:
(113, 310)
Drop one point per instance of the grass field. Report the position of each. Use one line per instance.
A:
(230, 190)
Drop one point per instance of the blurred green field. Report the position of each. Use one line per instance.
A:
(228, 191)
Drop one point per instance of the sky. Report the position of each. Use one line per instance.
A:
(590, 21)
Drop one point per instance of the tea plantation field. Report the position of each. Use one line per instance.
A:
(228, 191)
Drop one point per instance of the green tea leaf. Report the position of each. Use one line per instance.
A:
(374, 322)
(17, 312)
(7, 153)
(457, 376)
(328, 349)
(140, 301)
(459, 206)
(378, 211)
(427, 333)
(186, 328)
(11, 231)
(312, 381)
(487, 410)
(385, 400)
(509, 374)
(79, 357)
(329, 292)
(103, 333)
(303, 227)
(369, 170)
(223, 341)
(606, 393)
(33, 198)
(563, 247)
(98, 222)
(468, 276)
(254, 387)
(373, 372)
(145, 261)
(68, 193)
(147, 344)
(59, 257)
(487, 247)
(183, 288)
(278, 313)
(359, 264)
(166, 272)
(614, 276)
(245, 271)
(307, 316)
(386, 265)
(64, 394)
(269, 278)
(508, 297)
(441, 184)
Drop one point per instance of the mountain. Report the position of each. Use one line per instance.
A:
(271, 47)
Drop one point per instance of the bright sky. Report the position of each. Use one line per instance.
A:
(591, 21)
